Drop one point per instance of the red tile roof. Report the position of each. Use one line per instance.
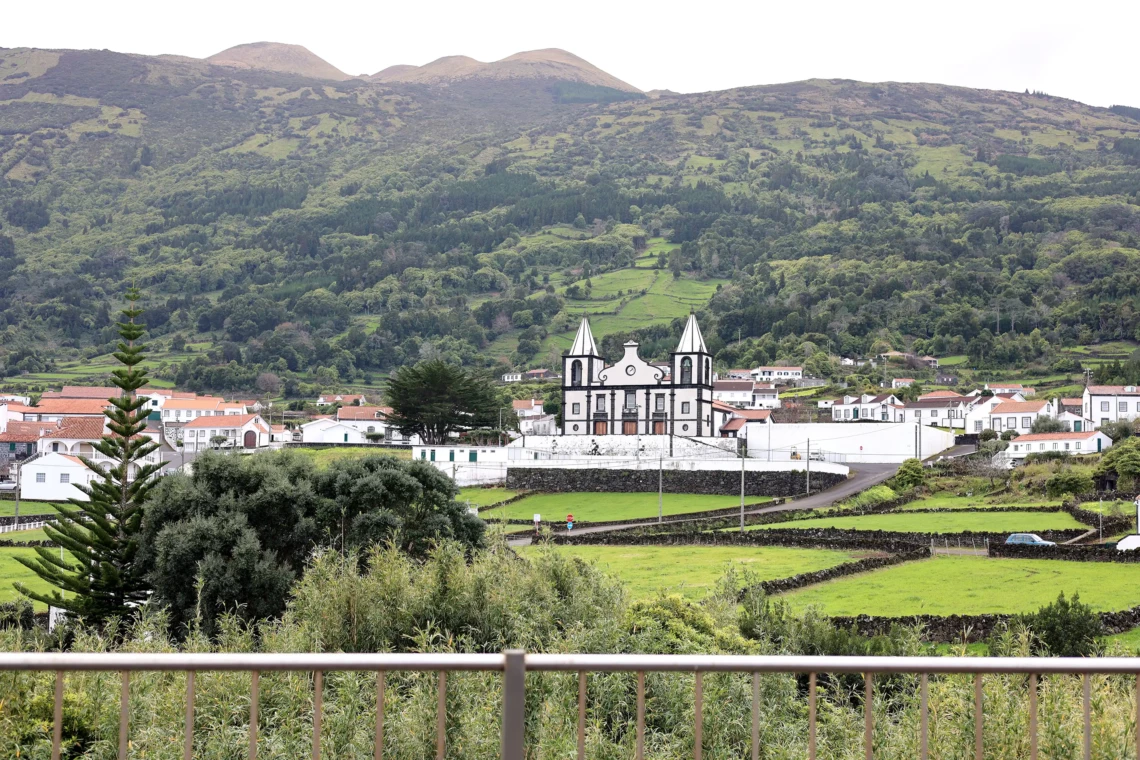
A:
(1018, 407)
(362, 412)
(734, 424)
(1114, 390)
(525, 404)
(79, 406)
(79, 428)
(753, 414)
(221, 421)
(26, 432)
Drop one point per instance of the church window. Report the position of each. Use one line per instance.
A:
(686, 371)
(684, 407)
(660, 402)
(577, 408)
(601, 403)
(576, 373)
(630, 400)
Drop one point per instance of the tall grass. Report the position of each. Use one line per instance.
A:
(545, 603)
(872, 497)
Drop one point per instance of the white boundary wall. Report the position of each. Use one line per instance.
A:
(851, 442)
(481, 473)
(629, 445)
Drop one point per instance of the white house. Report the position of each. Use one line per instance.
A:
(244, 431)
(634, 397)
(902, 382)
(59, 409)
(884, 407)
(997, 388)
(943, 411)
(370, 420)
(1111, 403)
(978, 418)
(1085, 442)
(1019, 415)
(778, 374)
(512, 377)
(78, 436)
(54, 477)
(746, 394)
(327, 430)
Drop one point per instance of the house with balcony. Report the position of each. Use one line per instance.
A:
(867, 407)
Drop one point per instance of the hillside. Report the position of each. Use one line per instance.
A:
(549, 64)
(276, 56)
(301, 230)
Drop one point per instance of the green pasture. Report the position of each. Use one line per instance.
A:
(693, 570)
(593, 507)
(966, 585)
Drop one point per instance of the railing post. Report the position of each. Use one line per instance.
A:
(514, 703)
(124, 712)
(57, 717)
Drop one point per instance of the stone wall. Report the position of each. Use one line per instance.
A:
(1075, 553)
(971, 628)
(555, 480)
(924, 538)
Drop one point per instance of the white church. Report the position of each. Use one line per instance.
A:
(634, 397)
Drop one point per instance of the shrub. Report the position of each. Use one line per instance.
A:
(16, 614)
(987, 435)
(872, 497)
(1065, 628)
(910, 474)
(1068, 481)
(1009, 435)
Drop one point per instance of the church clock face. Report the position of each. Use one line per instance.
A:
(630, 370)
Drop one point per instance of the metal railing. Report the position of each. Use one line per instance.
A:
(514, 665)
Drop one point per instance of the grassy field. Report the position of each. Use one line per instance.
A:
(973, 585)
(324, 457)
(587, 507)
(481, 497)
(8, 508)
(951, 501)
(693, 570)
(36, 534)
(950, 522)
(12, 571)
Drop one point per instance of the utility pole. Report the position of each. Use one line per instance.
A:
(17, 495)
(741, 491)
(660, 490)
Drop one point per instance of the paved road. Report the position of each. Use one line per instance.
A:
(863, 477)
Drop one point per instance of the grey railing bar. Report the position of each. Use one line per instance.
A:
(188, 728)
(868, 715)
(124, 713)
(318, 711)
(582, 715)
(122, 662)
(811, 715)
(565, 662)
(756, 714)
(1033, 716)
(254, 704)
(57, 717)
(978, 719)
(698, 715)
(378, 749)
(639, 752)
(514, 704)
(441, 718)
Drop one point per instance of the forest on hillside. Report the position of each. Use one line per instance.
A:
(301, 231)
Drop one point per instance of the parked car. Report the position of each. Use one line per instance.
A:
(7, 486)
(1030, 539)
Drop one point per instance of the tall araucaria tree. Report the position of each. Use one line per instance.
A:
(103, 578)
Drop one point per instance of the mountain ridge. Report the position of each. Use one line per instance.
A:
(277, 56)
(547, 63)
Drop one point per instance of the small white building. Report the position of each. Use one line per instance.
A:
(978, 418)
(783, 375)
(328, 430)
(372, 421)
(54, 477)
(902, 382)
(1019, 415)
(1111, 403)
(512, 377)
(1086, 442)
(942, 411)
(999, 388)
(244, 431)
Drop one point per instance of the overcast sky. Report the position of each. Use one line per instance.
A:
(1084, 52)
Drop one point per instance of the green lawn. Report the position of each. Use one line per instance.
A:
(949, 522)
(946, 500)
(12, 571)
(693, 570)
(25, 535)
(481, 497)
(973, 585)
(324, 457)
(8, 508)
(590, 507)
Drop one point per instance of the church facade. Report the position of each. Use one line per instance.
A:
(634, 397)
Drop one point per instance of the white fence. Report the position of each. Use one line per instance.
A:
(853, 442)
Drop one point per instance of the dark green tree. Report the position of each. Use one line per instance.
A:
(1065, 628)
(103, 578)
(434, 399)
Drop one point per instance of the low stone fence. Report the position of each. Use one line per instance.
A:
(11, 520)
(505, 502)
(718, 482)
(923, 538)
(866, 564)
(645, 537)
(1075, 553)
(25, 544)
(949, 629)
